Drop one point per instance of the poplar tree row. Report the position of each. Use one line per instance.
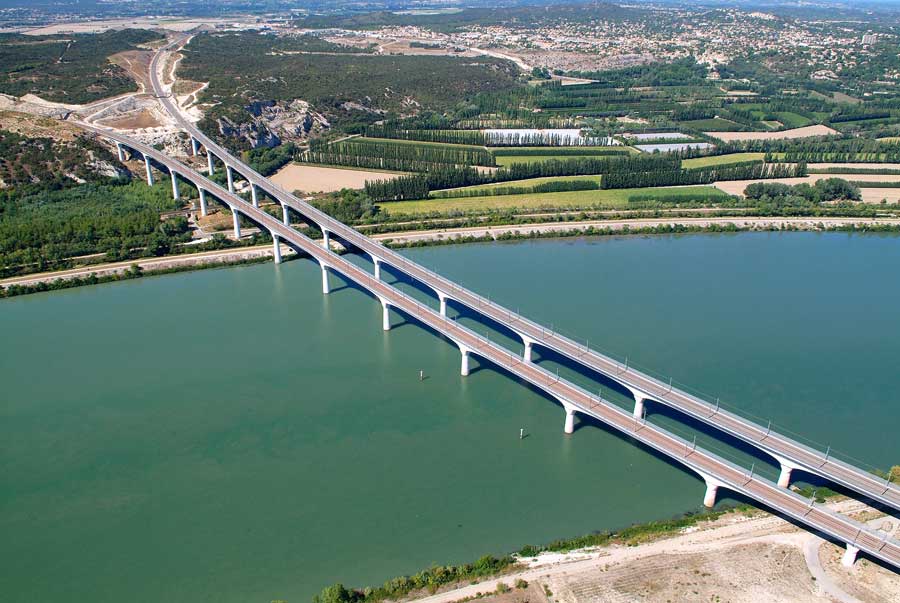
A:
(708, 175)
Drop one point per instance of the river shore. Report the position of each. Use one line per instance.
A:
(213, 259)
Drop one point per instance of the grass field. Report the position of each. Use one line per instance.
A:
(792, 120)
(699, 162)
(528, 182)
(599, 199)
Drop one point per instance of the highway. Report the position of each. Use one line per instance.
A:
(790, 453)
(716, 471)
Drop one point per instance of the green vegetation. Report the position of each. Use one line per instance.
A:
(418, 186)
(611, 199)
(365, 153)
(721, 160)
(352, 90)
(829, 189)
(427, 580)
(67, 68)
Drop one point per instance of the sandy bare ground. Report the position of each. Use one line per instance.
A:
(222, 256)
(859, 166)
(805, 132)
(869, 195)
(738, 558)
(747, 223)
(315, 179)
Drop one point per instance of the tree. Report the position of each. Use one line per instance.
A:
(336, 593)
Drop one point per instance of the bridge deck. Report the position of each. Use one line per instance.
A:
(703, 462)
(777, 444)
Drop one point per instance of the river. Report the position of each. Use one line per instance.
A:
(233, 435)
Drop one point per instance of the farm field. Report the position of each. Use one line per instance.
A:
(808, 131)
(792, 120)
(511, 159)
(524, 183)
(318, 179)
(717, 124)
(418, 143)
(699, 162)
(599, 199)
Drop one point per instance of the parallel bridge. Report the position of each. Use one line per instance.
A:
(716, 471)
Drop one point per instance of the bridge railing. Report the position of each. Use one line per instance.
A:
(661, 389)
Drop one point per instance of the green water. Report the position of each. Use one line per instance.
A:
(233, 435)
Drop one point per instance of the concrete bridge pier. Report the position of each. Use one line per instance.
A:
(443, 299)
(464, 363)
(175, 193)
(149, 170)
(326, 239)
(529, 348)
(385, 315)
(120, 151)
(254, 195)
(639, 399)
(849, 557)
(209, 163)
(230, 173)
(377, 264)
(569, 427)
(276, 248)
(236, 218)
(325, 288)
(712, 488)
(203, 211)
(784, 477)
(285, 217)
(195, 147)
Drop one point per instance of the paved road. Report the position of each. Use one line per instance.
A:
(714, 469)
(786, 450)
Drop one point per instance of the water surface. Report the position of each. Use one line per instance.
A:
(233, 435)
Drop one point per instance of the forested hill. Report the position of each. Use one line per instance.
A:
(71, 68)
(349, 89)
(524, 16)
(27, 160)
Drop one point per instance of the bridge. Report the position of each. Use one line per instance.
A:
(790, 454)
(716, 471)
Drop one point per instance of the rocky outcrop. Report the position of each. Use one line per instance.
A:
(274, 122)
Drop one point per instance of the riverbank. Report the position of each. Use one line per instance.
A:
(98, 273)
(695, 557)
(714, 560)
